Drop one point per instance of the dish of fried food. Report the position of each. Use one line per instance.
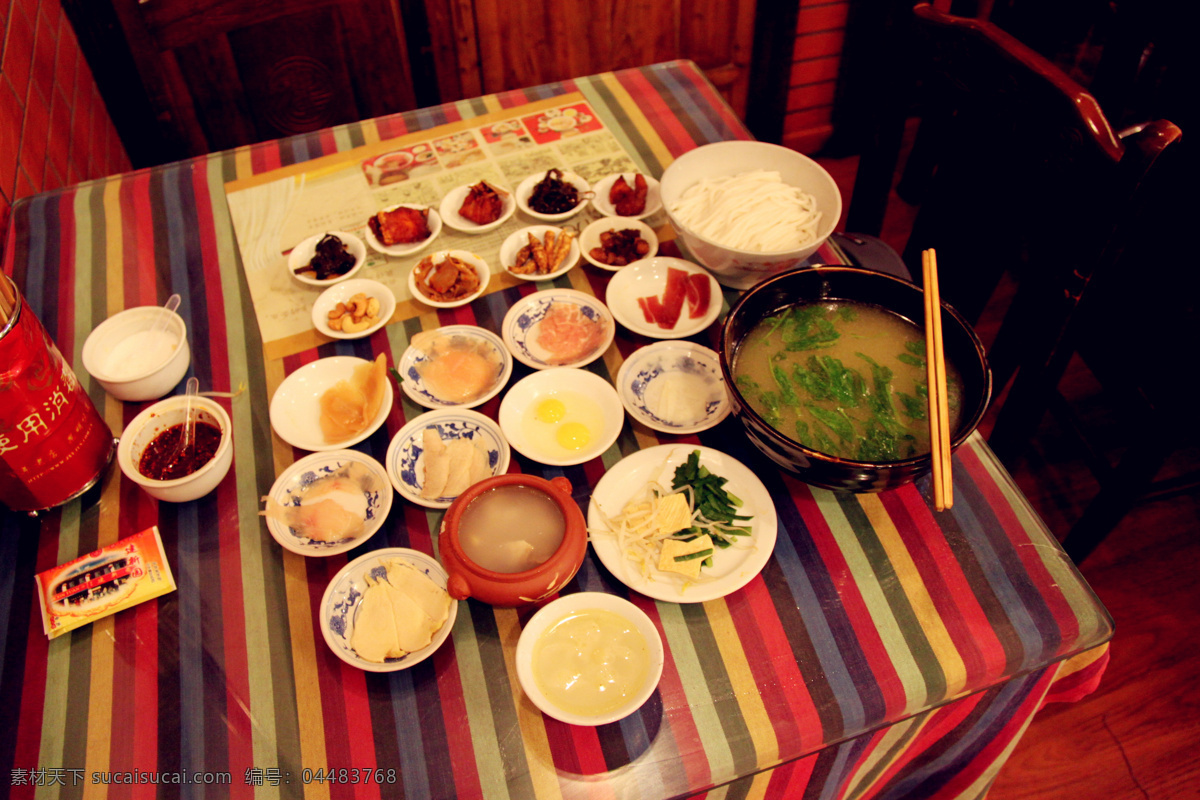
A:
(445, 279)
(484, 203)
(401, 225)
(619, 248)
(543, 256)
(629, 201)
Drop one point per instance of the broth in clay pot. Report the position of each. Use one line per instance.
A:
(512, 540)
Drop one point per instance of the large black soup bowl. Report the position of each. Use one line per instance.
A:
(820, 284)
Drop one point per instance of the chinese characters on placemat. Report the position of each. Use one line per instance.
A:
(273, 212)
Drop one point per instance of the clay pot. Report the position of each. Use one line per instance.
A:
(513, 589)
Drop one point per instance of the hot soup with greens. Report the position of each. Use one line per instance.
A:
(843, 378)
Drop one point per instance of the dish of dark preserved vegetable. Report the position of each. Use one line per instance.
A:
(158, 461)
(553, 195)
(843, 378)
(331, 260)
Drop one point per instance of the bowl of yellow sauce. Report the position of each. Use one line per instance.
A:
(589, 658)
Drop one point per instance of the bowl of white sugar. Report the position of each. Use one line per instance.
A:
(747, 210)
(138, 354)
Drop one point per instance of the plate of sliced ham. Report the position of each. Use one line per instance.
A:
(557, 328)
(664, 298)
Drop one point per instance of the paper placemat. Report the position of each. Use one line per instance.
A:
(274, 211)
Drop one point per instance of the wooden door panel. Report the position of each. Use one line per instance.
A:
(514, 43)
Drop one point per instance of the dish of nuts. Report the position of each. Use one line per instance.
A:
(356, 315)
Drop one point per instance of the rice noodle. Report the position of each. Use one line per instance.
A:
(753, 211)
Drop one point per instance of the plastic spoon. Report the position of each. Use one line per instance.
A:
(188, 437)
(165, 317)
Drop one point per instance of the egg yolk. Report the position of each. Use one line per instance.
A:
(573, 435)
(550, 410)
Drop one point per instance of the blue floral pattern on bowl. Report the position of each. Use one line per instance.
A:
(519, 328)
(344, 593)
(405, 466)
(291, 486)
(652, 363)
(412, 359)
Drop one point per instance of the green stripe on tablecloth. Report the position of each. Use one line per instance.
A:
(699, 699)
(893, 590)
(603, 102)
(489, 764)
(720, 689)
(254, 474)
(875, 600)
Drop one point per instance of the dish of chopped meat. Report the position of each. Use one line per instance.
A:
(403, 225)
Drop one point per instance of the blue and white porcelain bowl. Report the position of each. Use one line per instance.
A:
(674, 387)
(405, 456)
(340, 604)
(520, 327)
(412, 359)
(289, 489)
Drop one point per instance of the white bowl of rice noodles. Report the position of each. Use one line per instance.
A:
(747, 210)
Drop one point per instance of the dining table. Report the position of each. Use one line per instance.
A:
(885, 650)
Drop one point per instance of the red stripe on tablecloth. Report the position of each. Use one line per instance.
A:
(958, 606)
(673, 134)
(338, 681)
(265, 157)
(1078, 685)
(772, 661)
(676, 712)
(1028, 551)
(65, 336)
(866, 632)
(994, 749)
(459, 745)
(391, 126)
(516, 97)
(948, 587)
(943, 720)
(27, 749)
(138, 271)
(145, 686)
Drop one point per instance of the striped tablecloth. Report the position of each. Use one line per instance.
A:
(885, 651)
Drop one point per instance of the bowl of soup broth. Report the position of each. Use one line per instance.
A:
(512, 540)
(826, 372)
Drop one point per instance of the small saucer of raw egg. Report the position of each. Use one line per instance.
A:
(562, 416)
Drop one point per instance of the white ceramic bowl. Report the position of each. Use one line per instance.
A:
(434, 221)
(341, 293)
(741, 269)
(520, 326)
(296, 405)
(525, 190)
(590, 238)
(603, 189)
(481, 268)
(158, 418)
(674, 387)
(342, 597)
(648, 278)
(303, 253)
(405, 456)
(539, 386)
(117, 355)
(518, 239)
(412, 359)
(374, 503)
(553, 612)
(453, 201)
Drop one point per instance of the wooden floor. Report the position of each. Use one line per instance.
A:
(1138, 736)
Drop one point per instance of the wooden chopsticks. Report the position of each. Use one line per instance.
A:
(935, 359)
(8, 299)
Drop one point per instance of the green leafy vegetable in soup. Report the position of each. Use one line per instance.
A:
(843, 378)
